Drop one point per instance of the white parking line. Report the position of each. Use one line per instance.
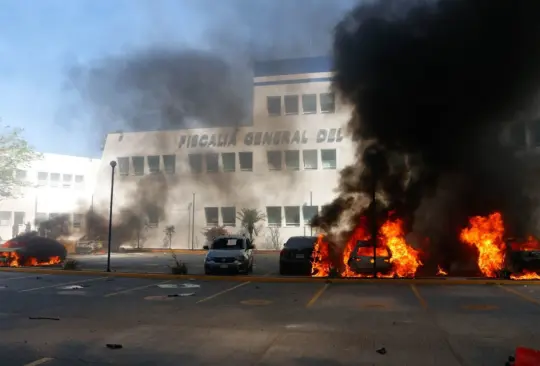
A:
(22, 277)
(222, 292)
(41, 361)
(63, 284)
(135, 288)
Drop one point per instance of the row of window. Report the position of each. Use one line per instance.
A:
(305, 104)
(211, 162)
(53, 179)
(8, 218)
(276, 216)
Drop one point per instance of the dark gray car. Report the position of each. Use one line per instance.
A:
(229, 254)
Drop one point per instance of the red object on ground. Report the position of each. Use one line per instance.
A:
(527, 357)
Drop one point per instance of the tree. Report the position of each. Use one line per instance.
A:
(274, 238)
(213, 232)
(169, 233)
(249, 217)
(15, 153)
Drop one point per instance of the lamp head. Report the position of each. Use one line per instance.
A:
(112, 164)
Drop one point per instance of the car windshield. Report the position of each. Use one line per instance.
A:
(228, 243)
(300, 243)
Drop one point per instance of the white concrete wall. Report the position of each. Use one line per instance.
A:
(49, 196)
(258, 188)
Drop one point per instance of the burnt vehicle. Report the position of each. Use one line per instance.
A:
(31, 249)
(362, 260)
(521, 255)
(295, 257)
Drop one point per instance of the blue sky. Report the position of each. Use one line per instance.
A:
(41, 39)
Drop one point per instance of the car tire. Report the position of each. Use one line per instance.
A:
(207, 272)
(250, 268)
(283, 271)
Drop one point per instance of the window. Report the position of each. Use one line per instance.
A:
(310, 159)
(328, 103)
(292, 216)
(169, 164)
(274, 160)
(309, 103)
(195, 163)
(273, 104)
(153, 216)
(20, 174)
(55, 179)
(309, 213)
(40, 217)
(228, 215)
(228, 161)
(123, 166)
(273, 213)
(328, 158)
(5, 218)
(42, 178)
(153, 163)
(79, 181)
(77, 221)
(292, 159)
(291, 104)
(212, 163)
(67, 180)
(246, 161)
(212, 216)
(138, 165)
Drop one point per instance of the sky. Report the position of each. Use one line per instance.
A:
(40, 41)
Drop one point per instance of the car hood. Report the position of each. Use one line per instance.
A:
(226, 253)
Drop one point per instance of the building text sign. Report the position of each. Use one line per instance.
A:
(259, 138)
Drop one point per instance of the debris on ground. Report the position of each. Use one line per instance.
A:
(3, 286)
(168, 285)
(189, 285)
(71, 287)
(182, 295)
(381, 351)
(42, 318)
(113, 346)
(38, 278)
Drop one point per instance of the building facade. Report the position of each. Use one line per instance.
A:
(53, 186)
(285, 164)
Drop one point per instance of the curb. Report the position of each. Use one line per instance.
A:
(260, 279)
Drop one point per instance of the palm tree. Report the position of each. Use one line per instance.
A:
(249, 217)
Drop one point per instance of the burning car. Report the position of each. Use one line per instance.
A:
(362, 258)
(522, 255)
(31, 250)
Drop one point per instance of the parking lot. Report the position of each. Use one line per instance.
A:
(266, 264)
(193, 322)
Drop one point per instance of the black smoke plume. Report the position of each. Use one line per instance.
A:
(431, 90)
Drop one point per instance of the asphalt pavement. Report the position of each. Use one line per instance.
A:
(266, 264)
(59, 320)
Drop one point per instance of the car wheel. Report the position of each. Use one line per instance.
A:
(282, 270)
(207, 271)
(250, 268)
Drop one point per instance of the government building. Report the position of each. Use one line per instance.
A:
(285, 164)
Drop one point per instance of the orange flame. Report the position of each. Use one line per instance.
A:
(441, 272)
(486, 234)
(320, 260)
(13, 259)
(405, 259)
(526, 275)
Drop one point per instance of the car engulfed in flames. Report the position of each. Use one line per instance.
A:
(31, 250)
(393, 257)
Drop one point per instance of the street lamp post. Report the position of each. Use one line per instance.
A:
(113, 166)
